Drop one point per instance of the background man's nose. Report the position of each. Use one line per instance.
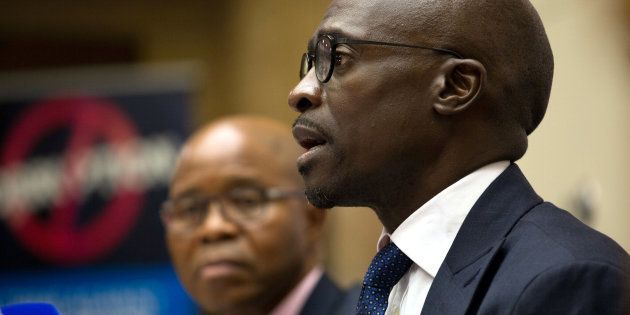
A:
(216, 226)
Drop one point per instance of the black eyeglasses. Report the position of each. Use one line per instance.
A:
(243, 204)
(324, 54)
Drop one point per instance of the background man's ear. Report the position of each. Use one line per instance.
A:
(458, 85)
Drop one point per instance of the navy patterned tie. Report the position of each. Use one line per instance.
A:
(386, 269)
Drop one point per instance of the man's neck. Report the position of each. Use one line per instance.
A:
(406, 200)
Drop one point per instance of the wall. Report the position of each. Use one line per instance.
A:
(582, 144)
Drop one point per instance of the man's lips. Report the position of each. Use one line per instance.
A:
(219, 268)
(308, 137)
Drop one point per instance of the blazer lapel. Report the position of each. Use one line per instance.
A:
(452, 292)
(465, 274)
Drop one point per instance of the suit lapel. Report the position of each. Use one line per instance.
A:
(464, 275)
(452, 292)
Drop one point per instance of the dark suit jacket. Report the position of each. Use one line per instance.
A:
(516, 254)
(328, 299)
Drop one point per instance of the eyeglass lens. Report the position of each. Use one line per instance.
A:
(323, 58)
(305, 65)
(238, 205)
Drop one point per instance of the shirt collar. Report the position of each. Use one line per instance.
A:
(294, 301)
(428, 233)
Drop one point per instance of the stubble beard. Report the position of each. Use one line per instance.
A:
(317, 196)
(334, 192)
(337, 188)
(320, 198)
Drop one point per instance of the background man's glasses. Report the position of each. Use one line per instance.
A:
(324, 55)
(240, 205)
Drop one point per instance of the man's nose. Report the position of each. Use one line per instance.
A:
(307, 94)
(216, 226)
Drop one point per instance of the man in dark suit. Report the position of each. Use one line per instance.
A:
(241, 235)
(418, 110)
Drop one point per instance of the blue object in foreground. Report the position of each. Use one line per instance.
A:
(133, 289)
(29, 309)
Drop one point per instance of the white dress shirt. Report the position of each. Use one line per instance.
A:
(428, 233)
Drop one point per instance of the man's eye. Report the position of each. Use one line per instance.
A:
(246, 198)
(189, 208)
(246, 201)
(343, 59)
(197, 207)
(340, 59)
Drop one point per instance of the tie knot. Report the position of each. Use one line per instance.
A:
(387, 267)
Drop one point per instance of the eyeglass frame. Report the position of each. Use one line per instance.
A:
(309, 57)
(269, 194)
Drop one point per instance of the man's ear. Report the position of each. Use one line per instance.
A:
(458, 84)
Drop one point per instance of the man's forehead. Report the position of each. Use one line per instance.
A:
(369, 19)
(350, 18)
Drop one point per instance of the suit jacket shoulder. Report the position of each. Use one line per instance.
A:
(567, 236)
(517, 254)
(550, 262)
(328, 299)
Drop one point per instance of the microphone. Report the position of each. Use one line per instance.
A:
(29, 309)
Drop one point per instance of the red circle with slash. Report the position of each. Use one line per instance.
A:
(60, 238)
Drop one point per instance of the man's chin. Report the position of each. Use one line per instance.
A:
(319, 198)
(314, 192)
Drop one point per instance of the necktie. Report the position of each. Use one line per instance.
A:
(386, 269)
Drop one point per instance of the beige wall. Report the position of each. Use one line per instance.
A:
(583, 141)
(250, 52)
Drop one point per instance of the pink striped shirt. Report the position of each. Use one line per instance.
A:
(294, 301)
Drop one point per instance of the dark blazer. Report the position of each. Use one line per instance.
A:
(328, 299)
(516, 254)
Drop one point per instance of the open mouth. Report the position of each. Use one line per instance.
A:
(308, 138)
(311, 143)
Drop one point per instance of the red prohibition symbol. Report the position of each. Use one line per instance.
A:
(59, 238)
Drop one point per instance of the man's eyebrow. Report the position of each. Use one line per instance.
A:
(228, 184)
(239, 181)
(310, 46)
(189, 193)
(334, 32)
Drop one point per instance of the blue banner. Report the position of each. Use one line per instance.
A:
(85, 163)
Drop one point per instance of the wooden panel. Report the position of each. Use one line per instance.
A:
(56, 51)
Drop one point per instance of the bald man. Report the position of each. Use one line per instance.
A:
(418, 110)
(241, 235)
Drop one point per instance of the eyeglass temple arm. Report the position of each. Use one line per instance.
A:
(280, 193)
(370, 42)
